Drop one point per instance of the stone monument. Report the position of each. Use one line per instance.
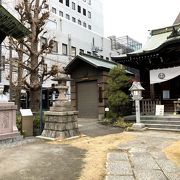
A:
(61, 121)
(8, 128)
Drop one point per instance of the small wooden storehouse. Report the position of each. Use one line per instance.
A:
(158, 63)
(89, 76)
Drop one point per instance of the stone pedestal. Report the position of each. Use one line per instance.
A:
(138, 127)
(8, 128)
(60, 125)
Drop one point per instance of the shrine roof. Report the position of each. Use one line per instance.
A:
(10, 26)
(93, 61)
(159, 39)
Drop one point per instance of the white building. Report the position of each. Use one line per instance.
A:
(76, 26)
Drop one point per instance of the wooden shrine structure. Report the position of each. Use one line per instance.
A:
(158, 63)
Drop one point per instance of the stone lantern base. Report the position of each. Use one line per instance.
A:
(138, 127)
(60, 125)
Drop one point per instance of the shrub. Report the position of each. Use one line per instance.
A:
(121, 123)
(36, 121)
(18, 121)
(117, 91)
(116, 122)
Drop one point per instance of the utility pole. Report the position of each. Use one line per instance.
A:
(0, 57)
(10, 71)
(1, 66)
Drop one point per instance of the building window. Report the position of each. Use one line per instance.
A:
(61, 1)
(79, 9)
(89, 2)
(81, 51)
(73, 19)
(79, 22)
(73, 51)
(84, 24)
(43, 41)
(64, 49)
(84, 12)
(89, 14)
(67, 16)
(54, 10)
(67, 3)
(73, 6)
(89, 27)
(61, 13)
(101, 57)
(55, 47)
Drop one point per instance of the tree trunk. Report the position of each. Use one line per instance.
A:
(34, 83)
(18, 98)
(34, 100)
(34, 78)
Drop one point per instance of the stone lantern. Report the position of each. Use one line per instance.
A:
(136, 93)
(61, 120)
(61, 103)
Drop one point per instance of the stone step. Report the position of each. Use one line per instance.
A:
(165, 129)
(167, 118)
(163, 126)
(11, 139)
(161, 122)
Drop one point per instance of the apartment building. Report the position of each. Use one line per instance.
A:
(76, 26)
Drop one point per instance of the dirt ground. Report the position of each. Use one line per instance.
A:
(97, 147)
(82, 158)
(173, 152)
(96, 151)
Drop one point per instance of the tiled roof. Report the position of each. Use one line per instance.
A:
(97, 62)
(158, 38)
(93, 61)
(10, 26)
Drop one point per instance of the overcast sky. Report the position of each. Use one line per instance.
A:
(136, 17)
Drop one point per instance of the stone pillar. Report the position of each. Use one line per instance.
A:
(8, 128)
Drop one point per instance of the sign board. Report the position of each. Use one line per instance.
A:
(26, 112)
(159, 110)
(106, 109)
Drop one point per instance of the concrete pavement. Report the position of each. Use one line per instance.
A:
(143, 158)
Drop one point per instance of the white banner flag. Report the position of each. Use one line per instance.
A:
(162, 75)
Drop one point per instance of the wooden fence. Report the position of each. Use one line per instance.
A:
(148, 106)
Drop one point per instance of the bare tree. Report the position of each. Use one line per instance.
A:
(33, 14)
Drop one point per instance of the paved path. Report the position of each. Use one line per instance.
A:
(142, 158)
